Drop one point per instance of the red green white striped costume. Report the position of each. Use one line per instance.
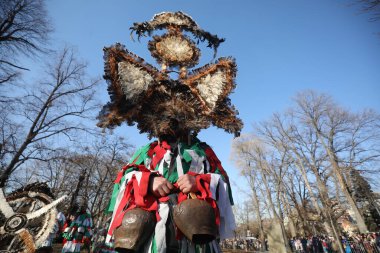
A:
(198, 159)
(82, 224)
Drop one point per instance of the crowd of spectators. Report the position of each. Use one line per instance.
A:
(248, 244)
(358, 243)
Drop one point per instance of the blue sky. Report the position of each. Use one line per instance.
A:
(281, 47)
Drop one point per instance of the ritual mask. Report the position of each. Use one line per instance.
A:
(160, 105)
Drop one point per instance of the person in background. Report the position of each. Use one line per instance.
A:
(47, 245)
(79, 233)
(377, 241)
(298, 245)
(304, 245)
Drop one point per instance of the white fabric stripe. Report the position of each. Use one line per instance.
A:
(211, 246)
(179, 162)
(5, 208)
(161, 167)
(108, 238)
(168, 157)
(191, 248)
(196, 162)
(184, 245)
(138, 177)
(120, 196)
(207, 169)
(227, 219)
(215, 247)
(148, 249)
(214, 184)
(179, 166)
(71, 247)
(160, 230)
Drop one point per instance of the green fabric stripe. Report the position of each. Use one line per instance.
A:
(230, 194)
(154, 246)
(115, 192)
(111, 204)
(142, 152)
(207, 247)
(186, 156)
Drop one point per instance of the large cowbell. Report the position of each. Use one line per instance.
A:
(196, 220)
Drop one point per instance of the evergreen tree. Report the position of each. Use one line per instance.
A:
(362, 193)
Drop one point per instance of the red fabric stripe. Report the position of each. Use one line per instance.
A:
(159, 152)
(151, 149)
(215, 163)
(203, 184)
(139, 197)
(140, 167)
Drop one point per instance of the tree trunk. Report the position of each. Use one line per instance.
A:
(275, 213)
(288, 214)
(330, 226)
(343, 185)
(75, 194)
(256, 205)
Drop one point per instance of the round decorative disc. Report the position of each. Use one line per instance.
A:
(174, 50)
(15, 222)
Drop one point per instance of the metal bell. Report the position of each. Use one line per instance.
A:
(196, 220)
(135, 229)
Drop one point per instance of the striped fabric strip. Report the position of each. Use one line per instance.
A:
(160, 230)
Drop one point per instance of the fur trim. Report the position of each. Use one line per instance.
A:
(133, 80)
(43, 209)
(161, 106)
(27, 238)
(5, 208)
(181, 21)
(45, 216)
(174, 50)
(211, 86)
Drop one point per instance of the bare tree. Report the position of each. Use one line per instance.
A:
(303, 160)
(52, 109)
(297, 198)
(284, 133)
(269, 167)
(333, 126)
(86, 174)
(24, 30)
(242, 148)
(371, 6)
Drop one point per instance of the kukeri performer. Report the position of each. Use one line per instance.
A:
(79, 233)
(173, 195)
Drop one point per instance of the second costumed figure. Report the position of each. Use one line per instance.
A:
(173, 195)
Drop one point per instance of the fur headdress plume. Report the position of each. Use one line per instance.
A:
(142, 94)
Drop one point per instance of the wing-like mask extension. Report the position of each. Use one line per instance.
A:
(212, 85)
(159, 105)
(130, 81)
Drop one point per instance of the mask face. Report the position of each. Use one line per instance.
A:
(159, 104)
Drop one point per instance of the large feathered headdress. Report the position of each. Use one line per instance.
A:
(159, 105)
